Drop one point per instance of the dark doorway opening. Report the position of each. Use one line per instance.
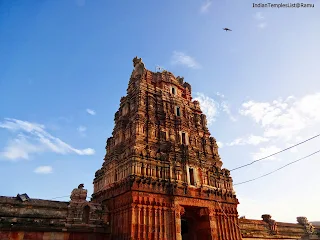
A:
(184, 226)
(194, 224)
(185, 233)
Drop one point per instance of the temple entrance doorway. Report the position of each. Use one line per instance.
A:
(195, 224)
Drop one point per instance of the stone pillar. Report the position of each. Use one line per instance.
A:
(133, 221)
(226, 226)
(160, 223)
(127, 222)
(156, 223)
(213, 224)
(237, 228)
(124, 222)
(233, 226)
(178, 212)
(220, 232)
(139, 222)
(116, 223)
(145, 229)
(172, 222)
(150, 231)
(165, 224)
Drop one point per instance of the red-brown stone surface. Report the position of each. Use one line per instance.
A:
(162, 166)
(22, 235)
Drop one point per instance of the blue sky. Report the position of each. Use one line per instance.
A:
(65, 65)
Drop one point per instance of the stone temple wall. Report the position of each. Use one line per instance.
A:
(22, 218)
(268, 228)
(37, 219)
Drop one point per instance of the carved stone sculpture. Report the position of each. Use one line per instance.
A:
(79, 194)
(271, 223)
(138, 67)
(309, 228)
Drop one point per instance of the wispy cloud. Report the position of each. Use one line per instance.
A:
(205, 6)
(32, 138)
(220, 95)
(212, 107)
(20, 148)
(262, 25)
(284, 119)
(220, 144)
(225, 106)
(258, 16)
(90, 111)
(209, 106)
(82, 129)
(263, 152)
(180, 58)
(43, 170)
(248, 140)
(281, 121)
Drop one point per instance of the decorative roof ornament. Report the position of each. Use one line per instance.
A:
(159, 69)
(23, 197)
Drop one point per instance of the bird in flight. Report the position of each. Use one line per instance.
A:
(227, 29)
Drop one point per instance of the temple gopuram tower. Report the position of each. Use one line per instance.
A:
(162, 176)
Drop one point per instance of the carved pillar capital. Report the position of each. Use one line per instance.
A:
(179, 210)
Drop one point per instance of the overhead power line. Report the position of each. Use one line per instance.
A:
(275, 153)
(300, 159)
(60, 197)
(63, 197)
(278, 168)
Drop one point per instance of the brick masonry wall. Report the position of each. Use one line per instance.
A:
(23, 235)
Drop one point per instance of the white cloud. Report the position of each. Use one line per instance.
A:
(220, 144)
(249, 140)
(208, 106)
(43, 170)
(37, 140)
(82, 130)
(220, 95)
(205, 6)
(90, 111)
(284, 119)
(226, 108)
(262, 25)
(258, 16)
(263, 152)
(211, 108)
(20, 148)
(180, 58)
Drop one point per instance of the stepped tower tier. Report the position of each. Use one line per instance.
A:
(162, 175)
